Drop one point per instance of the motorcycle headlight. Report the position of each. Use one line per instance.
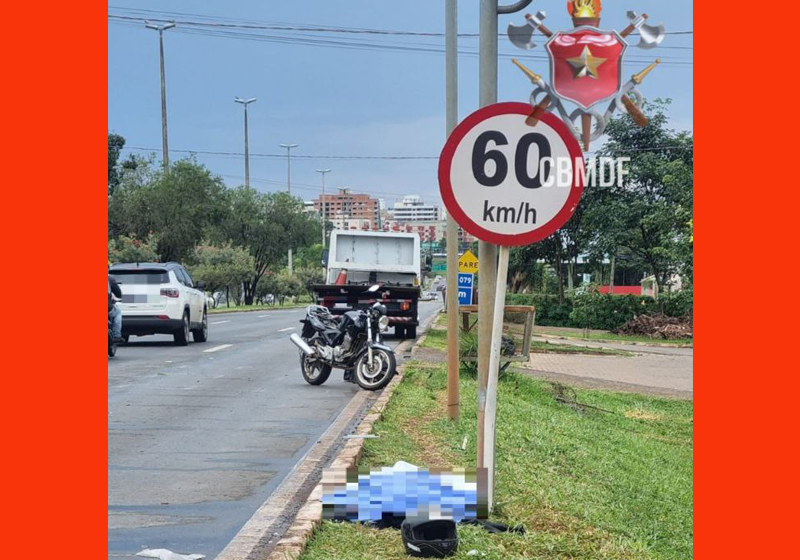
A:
(383, 323)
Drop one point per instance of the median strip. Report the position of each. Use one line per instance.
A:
(216, 348)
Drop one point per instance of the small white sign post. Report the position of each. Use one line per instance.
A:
(508, 183)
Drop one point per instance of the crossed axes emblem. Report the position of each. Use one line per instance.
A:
(544, 97)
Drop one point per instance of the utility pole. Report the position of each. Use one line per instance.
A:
(451, 95)
(164, 144)
(289, 187)
(245, 103)
(488, 252)
(322, 203)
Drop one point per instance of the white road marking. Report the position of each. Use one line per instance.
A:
(262, 316)
(287, 329)
(219, 322)
(216, 348)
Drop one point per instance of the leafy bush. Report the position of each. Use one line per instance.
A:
(549, 312)
(129, 248)
(678, 304)
(593, 310)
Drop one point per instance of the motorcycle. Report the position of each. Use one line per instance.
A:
(351, 342)
(112, 345)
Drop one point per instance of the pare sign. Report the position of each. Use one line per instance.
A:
(509, 183)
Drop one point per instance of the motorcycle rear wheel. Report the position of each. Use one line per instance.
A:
(381, 372)
(314, 371)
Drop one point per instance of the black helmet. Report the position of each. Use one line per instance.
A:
(430, 538)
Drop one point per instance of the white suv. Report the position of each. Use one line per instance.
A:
(161, 299)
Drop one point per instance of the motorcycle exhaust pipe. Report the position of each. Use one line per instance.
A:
(301, 344)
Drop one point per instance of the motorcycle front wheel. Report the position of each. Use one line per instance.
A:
(314, 371)
(378, 374)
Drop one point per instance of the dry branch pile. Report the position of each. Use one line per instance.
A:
(658, 326)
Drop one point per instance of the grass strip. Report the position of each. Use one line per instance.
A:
(587, 484)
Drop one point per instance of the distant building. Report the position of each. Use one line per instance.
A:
(413, 209)
(349, 210)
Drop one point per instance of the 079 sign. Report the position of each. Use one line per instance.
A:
(509, 183)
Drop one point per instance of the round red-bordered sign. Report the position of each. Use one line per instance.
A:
(491, 189)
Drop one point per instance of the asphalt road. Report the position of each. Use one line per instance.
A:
(199, 436)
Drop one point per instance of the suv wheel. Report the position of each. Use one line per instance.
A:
(201, 334)
(182, 336)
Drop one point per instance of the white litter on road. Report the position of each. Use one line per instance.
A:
(219, 322)
(164, 554)
(287, 329)
(216, 348)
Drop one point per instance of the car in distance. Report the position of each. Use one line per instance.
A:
(161, 298)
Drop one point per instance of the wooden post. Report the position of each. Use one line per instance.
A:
(451, 93)
(494, 370)
(487, 253)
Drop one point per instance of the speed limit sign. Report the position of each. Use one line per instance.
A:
(509, 183)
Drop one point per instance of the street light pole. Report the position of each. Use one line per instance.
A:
(289, 188)
(164, 144)
(245, 103)
(322, 203)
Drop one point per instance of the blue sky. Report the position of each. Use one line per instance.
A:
(333, 100)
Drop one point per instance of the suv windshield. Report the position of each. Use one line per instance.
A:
(141, 277)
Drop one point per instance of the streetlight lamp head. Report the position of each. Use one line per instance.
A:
(289, 145)
(323, 170)
(164, 27)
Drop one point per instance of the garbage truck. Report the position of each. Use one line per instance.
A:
(357, 260)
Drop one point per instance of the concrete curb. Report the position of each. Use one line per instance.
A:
(309, 517)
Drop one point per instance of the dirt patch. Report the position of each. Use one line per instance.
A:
(639, 414)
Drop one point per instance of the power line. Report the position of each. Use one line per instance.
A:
(283, 156)
(371, 157)
(307, 27)
(224, 30)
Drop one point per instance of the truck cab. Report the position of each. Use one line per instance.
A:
(359, 259)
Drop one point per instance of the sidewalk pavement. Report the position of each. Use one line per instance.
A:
(665, 374)
(653, 370)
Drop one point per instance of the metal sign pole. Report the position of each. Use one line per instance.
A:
(494, 369)
(487, 252)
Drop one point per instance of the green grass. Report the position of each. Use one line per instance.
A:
(254, 307)
(588, 485)
(437, 339)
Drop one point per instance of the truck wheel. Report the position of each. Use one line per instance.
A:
(411, 332)
(399, 332)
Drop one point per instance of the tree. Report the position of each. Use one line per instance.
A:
(132, 249)
(183, 206)
(647, 216)
(221, 267)
(115, 145)
(267, 225)
(310, 275)
(288, 286)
